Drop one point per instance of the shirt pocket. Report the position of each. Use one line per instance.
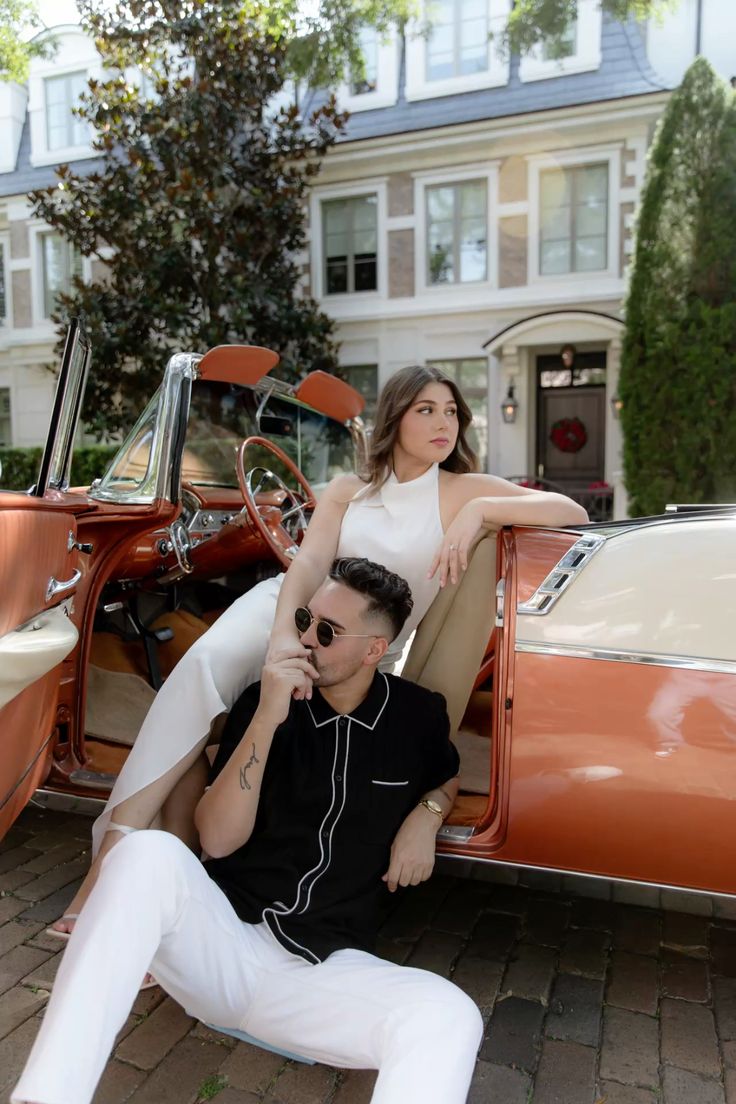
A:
(390, 799)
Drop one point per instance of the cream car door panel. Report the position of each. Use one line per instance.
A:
(33, 650)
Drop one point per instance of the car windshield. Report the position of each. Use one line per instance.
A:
(221, 415)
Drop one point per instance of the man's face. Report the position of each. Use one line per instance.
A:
(345, 610)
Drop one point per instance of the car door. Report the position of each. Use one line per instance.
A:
(39, 569)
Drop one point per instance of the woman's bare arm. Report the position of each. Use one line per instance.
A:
(312, 561)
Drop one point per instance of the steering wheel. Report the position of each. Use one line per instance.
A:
(282, 530)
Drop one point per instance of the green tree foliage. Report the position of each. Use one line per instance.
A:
(19, 19)
(530, 21)
(197, 202)
(678, 373)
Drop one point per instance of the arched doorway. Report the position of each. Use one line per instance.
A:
(563, 367)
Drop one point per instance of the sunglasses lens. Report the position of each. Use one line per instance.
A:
(325, 633)
(302, 619)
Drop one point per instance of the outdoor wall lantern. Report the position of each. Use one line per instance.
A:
(509, 406)
(617, 405)
(567, 355)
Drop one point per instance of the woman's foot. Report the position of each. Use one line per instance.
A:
(64, 926)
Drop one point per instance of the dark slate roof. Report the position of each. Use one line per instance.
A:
(26, 177)
(624, 71)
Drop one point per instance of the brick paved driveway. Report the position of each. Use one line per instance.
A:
(587, 1000)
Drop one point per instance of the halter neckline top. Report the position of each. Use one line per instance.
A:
(399, 526)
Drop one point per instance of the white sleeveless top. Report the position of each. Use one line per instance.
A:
(398, 526)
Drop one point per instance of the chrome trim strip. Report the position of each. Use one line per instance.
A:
(55, 587)
(591, 877)
(613, 655)
(565, 571)
(456, 833)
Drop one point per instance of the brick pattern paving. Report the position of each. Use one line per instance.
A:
(586, 1000)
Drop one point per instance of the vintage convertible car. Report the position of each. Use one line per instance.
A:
(590, 673)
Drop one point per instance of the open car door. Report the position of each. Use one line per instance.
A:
(40, 573)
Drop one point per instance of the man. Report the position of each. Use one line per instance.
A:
(272, 935)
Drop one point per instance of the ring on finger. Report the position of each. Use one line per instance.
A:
(453, 547)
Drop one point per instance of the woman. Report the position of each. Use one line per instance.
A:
(419, 509)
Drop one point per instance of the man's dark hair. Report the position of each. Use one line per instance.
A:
(389, 594)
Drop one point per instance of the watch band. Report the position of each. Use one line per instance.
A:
(433, 807)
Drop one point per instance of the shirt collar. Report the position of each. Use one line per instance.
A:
(367, 713)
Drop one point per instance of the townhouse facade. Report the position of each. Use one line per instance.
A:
(477, 214)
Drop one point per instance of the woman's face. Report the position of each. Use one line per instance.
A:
(429, 428)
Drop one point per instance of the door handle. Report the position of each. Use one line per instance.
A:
(54, 587)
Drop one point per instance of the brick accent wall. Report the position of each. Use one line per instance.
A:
(20, 245)
(626, 236)
(400, 195)
(22, 313)
(400, 263)
(512, 245)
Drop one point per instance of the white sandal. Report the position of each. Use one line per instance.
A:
(124, 830)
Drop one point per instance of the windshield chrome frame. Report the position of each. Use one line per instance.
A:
(175, 389)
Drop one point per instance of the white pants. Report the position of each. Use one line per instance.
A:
(155, 906)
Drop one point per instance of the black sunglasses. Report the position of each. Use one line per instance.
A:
(325, 632)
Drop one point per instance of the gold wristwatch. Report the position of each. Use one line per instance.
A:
(433, 806)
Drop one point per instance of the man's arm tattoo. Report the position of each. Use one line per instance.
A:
(244, 783)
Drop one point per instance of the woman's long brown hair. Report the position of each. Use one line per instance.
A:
(396, 397)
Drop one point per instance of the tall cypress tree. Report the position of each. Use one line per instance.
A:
(678, 372)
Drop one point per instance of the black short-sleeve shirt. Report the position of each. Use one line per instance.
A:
(335, 791)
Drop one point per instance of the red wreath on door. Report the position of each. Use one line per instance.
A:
(569, 435)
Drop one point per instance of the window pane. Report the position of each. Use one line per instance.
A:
(337, 277)
(554, 258)
(473, 200)
(54, 276)
(556, 223)
(364, 378)
(554, 187)
(565, 46)
(440, 203)
(369, 49)
(350, 244)
(473, 251)
(62, 93)
(590, 254)
(592, 183)
(5, 435)
(465, 373)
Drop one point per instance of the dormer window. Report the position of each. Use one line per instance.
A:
(577, 50)
(458, 43)
(453, 46)
(368, 82)
(63, 128)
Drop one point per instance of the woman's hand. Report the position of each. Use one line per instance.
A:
(461, 537)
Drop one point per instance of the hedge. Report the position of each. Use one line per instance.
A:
(20, 465)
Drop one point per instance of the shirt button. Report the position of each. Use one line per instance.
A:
(325, 833)
(338, 778)
(343, 721)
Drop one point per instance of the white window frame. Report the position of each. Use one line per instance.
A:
(40, 318)
(76, 53)
(496, 75)
(386, 92)
(570, 159)
(486, 171)
(587, 56)
(374, 186)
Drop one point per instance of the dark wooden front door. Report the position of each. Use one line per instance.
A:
(571, 411)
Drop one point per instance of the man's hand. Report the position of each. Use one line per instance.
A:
(412, 852)
(290, 677)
